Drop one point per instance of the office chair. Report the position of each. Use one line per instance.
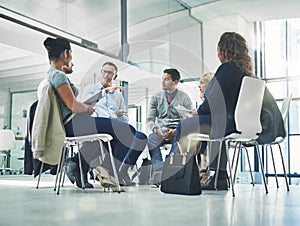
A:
(71, 142)
(284, 112)
(247, 118)
(47, 93)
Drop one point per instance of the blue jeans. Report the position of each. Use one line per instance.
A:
(154, 143)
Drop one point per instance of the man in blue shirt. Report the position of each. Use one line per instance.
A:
(111, 105)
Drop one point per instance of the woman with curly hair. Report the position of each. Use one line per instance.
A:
(215, 116)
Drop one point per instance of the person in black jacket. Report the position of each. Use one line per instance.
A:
(28, 159)
(33, 165)
(215, 116)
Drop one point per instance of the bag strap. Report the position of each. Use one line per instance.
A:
(180, 149)
(183, 162)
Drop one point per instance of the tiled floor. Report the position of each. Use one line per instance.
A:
(21, 204)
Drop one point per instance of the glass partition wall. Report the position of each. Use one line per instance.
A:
(20, 106)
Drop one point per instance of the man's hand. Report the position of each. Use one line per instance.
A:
(159, 131)
(114, 88)
(120, 112)
(166, 133)
(169, 134)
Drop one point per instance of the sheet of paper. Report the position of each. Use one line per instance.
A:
(185, 113)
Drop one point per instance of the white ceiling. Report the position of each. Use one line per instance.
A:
(22, 61)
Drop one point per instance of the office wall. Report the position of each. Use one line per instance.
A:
(180, 49)
(4, 108)
(185, 51)
(213, 29)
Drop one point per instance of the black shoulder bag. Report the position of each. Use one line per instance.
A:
(180, 175)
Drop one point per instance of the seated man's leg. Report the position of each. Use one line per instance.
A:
(137, 147)
(154, 141)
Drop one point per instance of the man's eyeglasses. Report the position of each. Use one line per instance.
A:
(110, 73)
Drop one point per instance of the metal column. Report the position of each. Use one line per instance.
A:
(124, 44)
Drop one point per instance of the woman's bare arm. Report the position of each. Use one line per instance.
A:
(66, 94)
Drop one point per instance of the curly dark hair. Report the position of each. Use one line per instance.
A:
(233, 47)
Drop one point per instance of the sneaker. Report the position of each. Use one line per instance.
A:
(156, 178)
(125, 180)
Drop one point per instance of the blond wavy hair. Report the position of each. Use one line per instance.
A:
(207, 76)
(233, 47)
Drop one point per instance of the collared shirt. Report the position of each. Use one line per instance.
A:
(162, 114)
(172, 94)
(107, 104)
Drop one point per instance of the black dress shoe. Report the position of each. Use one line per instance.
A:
(210, 184)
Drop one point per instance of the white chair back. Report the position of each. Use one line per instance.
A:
(248, 107)
(285, 107)
(7, 139)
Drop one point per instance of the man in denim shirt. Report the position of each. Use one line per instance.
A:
(111, 105)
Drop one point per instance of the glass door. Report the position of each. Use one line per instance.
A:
(20, 105)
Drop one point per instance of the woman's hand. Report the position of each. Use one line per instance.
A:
(91, 108)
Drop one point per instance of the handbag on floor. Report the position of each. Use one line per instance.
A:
(180, 175)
